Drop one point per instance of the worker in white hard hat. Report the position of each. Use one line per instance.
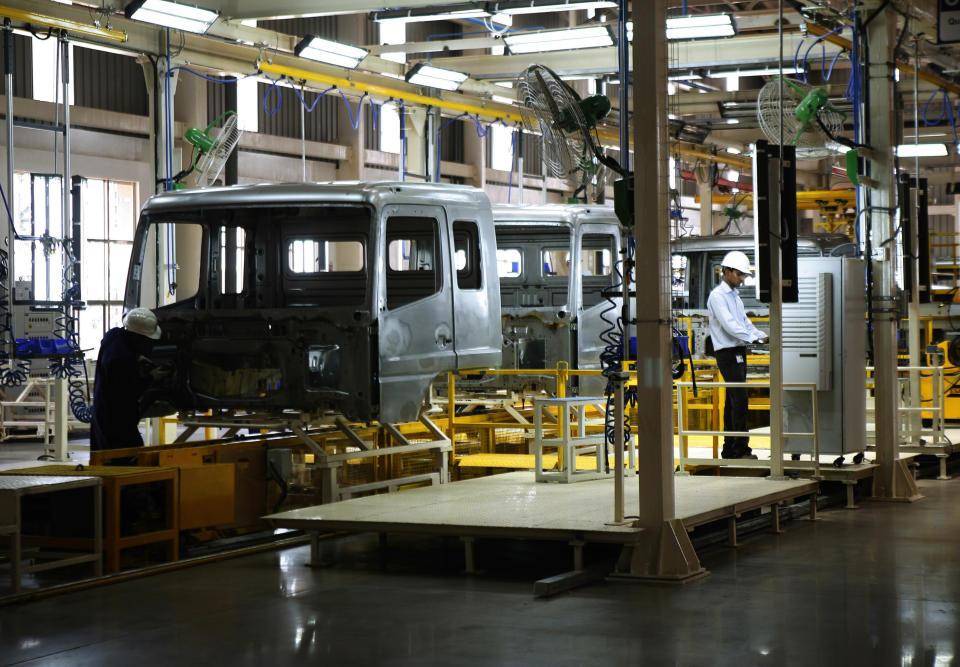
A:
(121, 380)
(731, 332)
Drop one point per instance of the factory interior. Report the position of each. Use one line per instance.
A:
(313, 310)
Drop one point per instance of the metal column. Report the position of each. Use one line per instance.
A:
(892, 481)
(663, 550)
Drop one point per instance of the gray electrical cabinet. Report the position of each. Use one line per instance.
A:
(824, 341)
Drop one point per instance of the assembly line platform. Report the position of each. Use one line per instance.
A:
(513, 505)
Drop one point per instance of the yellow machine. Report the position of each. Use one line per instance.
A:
(950, 356)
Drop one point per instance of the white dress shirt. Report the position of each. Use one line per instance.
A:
(729, 325)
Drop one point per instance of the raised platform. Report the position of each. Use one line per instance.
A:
(513, 505)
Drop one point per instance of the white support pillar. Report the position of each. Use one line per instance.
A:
(351, 29)
(664, 551)
(417, 156)
(706, 208)
(892, 481)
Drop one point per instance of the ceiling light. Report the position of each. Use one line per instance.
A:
(467, 10)
(559, 40)
(731, 149)
(700, 26)
(171, 15)
(922, 150)
(788, 70)
(540, 6)
(332, 53)
(435, 77)
(688, 76)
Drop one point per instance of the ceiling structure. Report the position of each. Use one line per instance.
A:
(709, 104)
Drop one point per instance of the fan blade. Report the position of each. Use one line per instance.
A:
(213, 161)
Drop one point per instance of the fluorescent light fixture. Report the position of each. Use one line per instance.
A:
(171, 15)
(435, 77)
(733, 121)
(332, 53)
(788, 70)
(700, 26)
(689, 76)
(539, 7)
(467, 10)
(922, 150)
(568, 39)
(733, 150)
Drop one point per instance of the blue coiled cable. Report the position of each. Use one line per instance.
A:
(70, 366)
(611, 357)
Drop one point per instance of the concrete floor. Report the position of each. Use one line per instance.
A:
(875, 586)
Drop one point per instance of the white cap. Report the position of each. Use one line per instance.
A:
(142, 321)
(737, 260)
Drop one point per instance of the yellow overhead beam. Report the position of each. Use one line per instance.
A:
(71, 27)
(495, 111)
(806, 199)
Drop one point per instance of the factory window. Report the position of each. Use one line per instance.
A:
(46, 70)
(466, 241)
(37, 255)
(501, 147)
(108, 219)
(413, 260)
(108, 216)
(509, 262)
(391, 33)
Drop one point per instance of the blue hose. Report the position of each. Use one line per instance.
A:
(611, 357)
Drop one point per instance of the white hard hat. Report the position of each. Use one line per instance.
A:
(142, 321)
(737, 260)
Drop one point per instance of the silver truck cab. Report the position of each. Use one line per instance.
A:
(322, 297)
(554, 262)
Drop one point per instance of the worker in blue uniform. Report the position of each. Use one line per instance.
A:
(731, 332)
(121, 379)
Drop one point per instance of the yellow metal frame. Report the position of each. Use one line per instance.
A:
(74, 27)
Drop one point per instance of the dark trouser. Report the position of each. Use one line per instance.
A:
(732, 362)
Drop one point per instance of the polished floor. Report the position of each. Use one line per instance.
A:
(875, 586)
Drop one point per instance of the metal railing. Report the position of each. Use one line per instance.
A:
(911, 428)
(776, 448)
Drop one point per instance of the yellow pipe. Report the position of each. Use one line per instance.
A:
(732, 160)
(56, 23)
(806, 199)
(384, 91)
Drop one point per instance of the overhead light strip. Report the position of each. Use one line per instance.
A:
(171, 15)
(449, 13)
(435, 77)
(567, 39)
(535, 7)
(922, 150)
(330, 52)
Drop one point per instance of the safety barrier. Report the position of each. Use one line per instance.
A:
(776, 448)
